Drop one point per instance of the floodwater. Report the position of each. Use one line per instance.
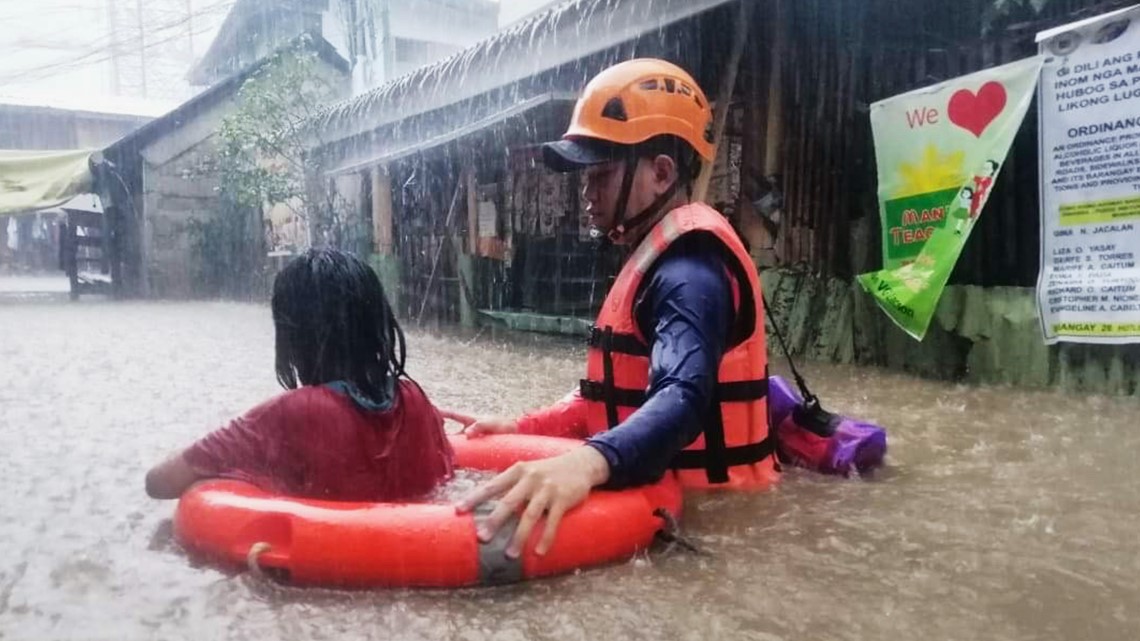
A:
(1002, 514)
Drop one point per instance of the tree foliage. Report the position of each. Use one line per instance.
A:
(260, 162)
(261, 155)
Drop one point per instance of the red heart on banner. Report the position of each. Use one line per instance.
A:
(974, 112)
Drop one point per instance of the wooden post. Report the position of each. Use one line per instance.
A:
(559, 258)
(70, 238)
(724, 97)
(149, 207)
(467, 272)
(774, 129)
(465, 261)
(472, 209)
(382, 211)
(383, 259)
(439, 250)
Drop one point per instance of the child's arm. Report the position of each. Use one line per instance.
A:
(170, 478)
(251, 448)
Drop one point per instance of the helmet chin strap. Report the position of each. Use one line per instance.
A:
(622, 225)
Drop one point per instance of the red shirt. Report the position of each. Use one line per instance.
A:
(318, 443)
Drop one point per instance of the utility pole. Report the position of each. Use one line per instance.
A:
(113, 32)
(125, 26)
(388, 45)
(190, 28)
(142, 45)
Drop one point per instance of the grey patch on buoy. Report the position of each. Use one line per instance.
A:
(495, 567)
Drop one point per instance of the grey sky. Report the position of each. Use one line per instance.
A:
(64, 49)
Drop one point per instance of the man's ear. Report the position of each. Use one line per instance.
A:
(665, 170)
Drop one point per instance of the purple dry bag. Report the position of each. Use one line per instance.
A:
(811, 437)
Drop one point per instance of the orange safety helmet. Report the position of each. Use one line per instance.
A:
(631, 103)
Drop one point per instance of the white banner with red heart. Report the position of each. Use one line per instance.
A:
(939, 151)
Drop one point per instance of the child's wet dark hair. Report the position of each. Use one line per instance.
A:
(334, 323)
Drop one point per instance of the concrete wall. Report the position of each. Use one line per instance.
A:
(175, 195)
(979, 335)
(436, 28)
(261, 35)
(453, 22)
(423, 32)
(413, 54)
(512, 12)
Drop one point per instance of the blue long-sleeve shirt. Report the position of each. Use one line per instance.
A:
(685, 311)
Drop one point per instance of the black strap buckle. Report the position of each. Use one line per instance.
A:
(608, 378)
(627, 344)
(733, 456)
(742, 391)
(596, 391)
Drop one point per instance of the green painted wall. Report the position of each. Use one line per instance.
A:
(978, 336)
(387, 268)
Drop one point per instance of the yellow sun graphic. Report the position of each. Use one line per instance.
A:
(934, 172)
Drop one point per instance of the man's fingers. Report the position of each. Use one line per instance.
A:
(489, 490)
(463, 419)
(533, 512)
(506, 508)
(500, 515)
(553, 518)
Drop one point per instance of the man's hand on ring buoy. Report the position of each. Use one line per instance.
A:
(550, 486)
(481, 426)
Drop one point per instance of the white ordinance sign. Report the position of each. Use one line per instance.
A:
(1088, 289)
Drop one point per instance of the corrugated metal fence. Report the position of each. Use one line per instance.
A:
(837, 58)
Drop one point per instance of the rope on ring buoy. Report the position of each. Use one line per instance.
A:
(255, 551)
(671, 533)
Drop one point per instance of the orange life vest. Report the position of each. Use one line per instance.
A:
(734, 450)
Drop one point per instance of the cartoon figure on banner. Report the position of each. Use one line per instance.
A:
(971, 199)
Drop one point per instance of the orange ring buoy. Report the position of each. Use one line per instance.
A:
(353, 544)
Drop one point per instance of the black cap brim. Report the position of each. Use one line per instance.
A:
(578, 153)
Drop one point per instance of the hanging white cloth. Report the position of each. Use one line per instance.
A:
(13, 234)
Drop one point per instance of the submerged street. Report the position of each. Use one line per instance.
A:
(1001, 513)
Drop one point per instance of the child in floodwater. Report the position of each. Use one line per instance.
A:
(352, 426)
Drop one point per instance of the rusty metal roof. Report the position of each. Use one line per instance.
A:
(423, 138)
